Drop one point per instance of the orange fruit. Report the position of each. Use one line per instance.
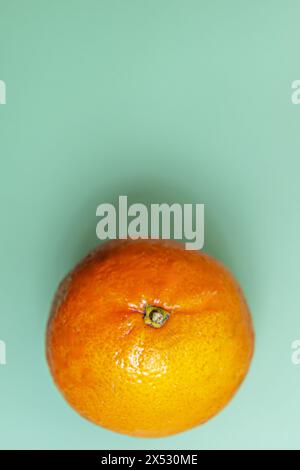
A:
(148, 339)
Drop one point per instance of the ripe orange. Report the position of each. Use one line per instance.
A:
(148, 339)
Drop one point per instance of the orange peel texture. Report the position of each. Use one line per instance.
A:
(148, 339)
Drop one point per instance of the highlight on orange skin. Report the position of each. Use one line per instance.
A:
(123, 372)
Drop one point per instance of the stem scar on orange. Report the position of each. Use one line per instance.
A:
(148, 339)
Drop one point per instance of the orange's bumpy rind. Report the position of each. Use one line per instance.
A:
(128, 376)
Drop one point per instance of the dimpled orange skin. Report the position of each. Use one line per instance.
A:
(130, 377)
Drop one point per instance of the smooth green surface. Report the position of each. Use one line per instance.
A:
(161, 100)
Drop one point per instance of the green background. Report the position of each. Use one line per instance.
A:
(163, 101)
